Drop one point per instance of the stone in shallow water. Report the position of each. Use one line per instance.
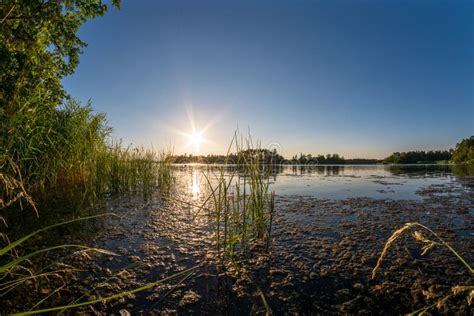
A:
(124, 312)
(189, 297)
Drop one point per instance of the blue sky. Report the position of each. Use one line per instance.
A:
(358, 78)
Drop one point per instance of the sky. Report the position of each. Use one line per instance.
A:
(359, 78)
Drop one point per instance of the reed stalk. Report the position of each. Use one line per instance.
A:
(242, 204)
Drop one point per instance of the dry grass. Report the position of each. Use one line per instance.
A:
(427, 245)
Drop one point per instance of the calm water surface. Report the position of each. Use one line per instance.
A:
(396, 182)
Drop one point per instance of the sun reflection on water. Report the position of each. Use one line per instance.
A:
(195, 184)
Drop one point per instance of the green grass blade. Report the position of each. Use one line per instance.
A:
(17, 261)
(111, 297)
(25, 238)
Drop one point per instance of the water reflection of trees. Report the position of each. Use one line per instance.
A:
(415, 170)
(326, 170)
(464, 170)
(274, 170)
(269, 170)
(431, 170)
(464, 174)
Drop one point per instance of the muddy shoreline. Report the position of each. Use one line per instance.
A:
(320, 262)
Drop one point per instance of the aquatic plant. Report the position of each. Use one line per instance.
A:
(51, 145)
(427, 245)
(242, 205)
(75, 156)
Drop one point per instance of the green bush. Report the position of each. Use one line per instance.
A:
(464, 151)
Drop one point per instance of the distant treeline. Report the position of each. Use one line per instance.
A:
(270, 157)
(464, 152)
(264, 155)
(419, 156)
(329, 159)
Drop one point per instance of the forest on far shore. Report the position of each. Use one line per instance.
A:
(463, 153)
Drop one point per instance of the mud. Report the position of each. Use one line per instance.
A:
(320, 261)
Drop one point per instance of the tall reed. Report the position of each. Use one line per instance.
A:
(119, 169)
(68, 152)
(242, 203)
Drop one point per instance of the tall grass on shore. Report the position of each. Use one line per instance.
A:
(65, 154)
(427, 245)
(119, 169)
(59, 151)
(242, 205)
(12, 189)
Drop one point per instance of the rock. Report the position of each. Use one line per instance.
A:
(358, 286)
(277, 271)
(134, 258)
(343, 294)
(124, 312)
(107, 271)
(189, 297)
(45, 291)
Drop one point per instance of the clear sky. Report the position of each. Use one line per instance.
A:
(358, 78)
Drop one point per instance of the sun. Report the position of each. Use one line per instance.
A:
(195, 139)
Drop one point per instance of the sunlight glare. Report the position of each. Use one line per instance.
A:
(195, 185)
(195, 139)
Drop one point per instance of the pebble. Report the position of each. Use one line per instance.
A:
(124, 312)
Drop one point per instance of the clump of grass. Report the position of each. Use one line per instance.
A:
(242, 204)
(427, 245)
(120, 169)
(68, 150)
(66, 154)
(165, 170)
(12, 188)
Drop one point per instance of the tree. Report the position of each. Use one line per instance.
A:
(464, 151)
(418, 156)
(38, 47)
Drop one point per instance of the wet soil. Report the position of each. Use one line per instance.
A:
(320, 261)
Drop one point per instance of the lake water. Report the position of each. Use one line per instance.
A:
(395, 182)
